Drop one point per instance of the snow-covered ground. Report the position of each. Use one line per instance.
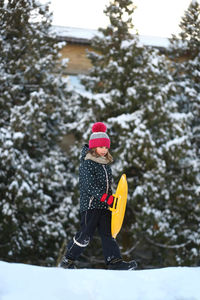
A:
(26, 282)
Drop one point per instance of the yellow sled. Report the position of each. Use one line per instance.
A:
(119, 206)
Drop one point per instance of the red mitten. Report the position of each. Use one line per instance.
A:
(107, 199)
(110, 200)
(103, 198)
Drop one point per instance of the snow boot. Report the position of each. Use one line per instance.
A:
(119, 264)
(67, 264)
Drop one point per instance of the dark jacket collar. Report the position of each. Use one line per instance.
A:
(84, 151)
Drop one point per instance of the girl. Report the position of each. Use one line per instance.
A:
(95, 179)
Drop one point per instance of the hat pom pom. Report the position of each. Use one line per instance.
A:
(99, 127)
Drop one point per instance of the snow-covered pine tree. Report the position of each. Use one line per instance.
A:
(131, 88)
(185, 54)
(35, 181)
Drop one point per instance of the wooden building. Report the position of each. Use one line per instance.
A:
(78, 42)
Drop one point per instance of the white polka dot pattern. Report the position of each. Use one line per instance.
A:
(94, 180)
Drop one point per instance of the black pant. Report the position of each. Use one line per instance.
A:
(90, 220)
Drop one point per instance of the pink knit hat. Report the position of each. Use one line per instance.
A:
(99, 137)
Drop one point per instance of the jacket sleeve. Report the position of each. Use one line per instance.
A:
(88, 180)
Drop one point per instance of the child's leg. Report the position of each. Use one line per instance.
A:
(110, 247)
(89, 221)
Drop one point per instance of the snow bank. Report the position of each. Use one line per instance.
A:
(25, 282)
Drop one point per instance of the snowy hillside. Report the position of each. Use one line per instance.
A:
(25, 282)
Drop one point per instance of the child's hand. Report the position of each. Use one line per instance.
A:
(107, 199)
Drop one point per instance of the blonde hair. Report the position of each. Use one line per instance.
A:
(94, 153)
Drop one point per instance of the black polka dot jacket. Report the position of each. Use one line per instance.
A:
(95, 179)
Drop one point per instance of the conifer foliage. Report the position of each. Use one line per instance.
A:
(35, 199)
(132, 89)
(185, 54)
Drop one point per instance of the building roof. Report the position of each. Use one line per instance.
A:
(84, 36)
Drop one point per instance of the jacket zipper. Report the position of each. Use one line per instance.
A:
(90, 202)
(107, 182)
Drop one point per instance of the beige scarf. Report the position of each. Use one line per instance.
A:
(99, 159)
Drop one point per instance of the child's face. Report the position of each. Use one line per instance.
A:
(102, 151)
